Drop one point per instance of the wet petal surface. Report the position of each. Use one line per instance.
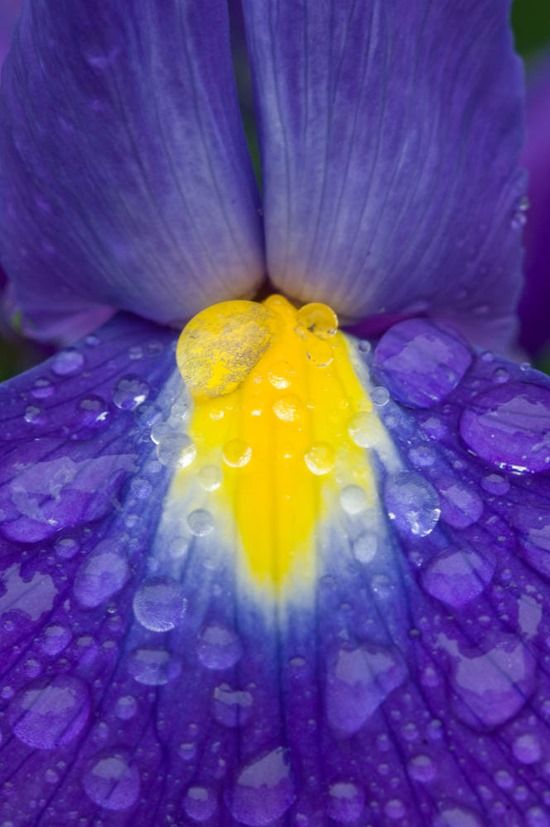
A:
(146, 679)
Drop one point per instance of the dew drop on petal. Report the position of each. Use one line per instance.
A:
(365, 547)
(527, 748)
(153, 667)
(200, 522)
(112, 781)
(420, 363)
(457, 577)
(422, 768)
(50, 713)
(412, 502)
(454, 816)
(210, 477)
(219, 647)
(346, 802)
(159, 604)
(200, 803)
(232, 708)
(130, 393)
(68, 362)
(237, 453)
(509, 426)
(353, 499)
(320, 459)
(126, 707)
(100, 576)
(263, 791)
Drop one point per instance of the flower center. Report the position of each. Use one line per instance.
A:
(280, 422)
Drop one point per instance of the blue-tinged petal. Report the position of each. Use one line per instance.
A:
(8, 15)
(390, 143)
(391, 670)
(125, 177)
(535, 304)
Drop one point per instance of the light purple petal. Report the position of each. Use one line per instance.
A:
(125, 176)
(143, 684)
(390, 144)
(535, 304)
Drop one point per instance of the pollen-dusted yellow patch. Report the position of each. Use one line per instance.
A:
(275, 398)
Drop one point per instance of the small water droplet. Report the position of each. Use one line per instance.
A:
(527, 748)
(353, 499)
(360, 430)
(346, 802)
(159, 604)
(264, 790)
(219, 647)
(153, 667)
(380, 396)
(210, 477)
(365, 547)
(130, 393)
(200, 522)
(412, 502)
(320, 459)
(237, 453)
(68, 362)
(232, 708)
(288, 408)
(126, 707)
(200, 803)
(112, 781)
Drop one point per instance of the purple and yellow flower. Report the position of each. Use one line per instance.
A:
(256, 570)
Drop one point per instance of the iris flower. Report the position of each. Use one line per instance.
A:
(256, 570)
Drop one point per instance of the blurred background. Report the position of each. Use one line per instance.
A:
(531, 22)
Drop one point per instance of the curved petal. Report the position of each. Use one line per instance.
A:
(125, 177)
(146, 680)
(535, 303)
(390, 142)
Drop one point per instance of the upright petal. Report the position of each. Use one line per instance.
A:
(535, 303)
(390, 137)
(152, 674)
(125, 176)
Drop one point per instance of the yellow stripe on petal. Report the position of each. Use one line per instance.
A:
(277, 411)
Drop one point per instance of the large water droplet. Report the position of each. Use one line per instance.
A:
(509, 426)
(50, 713)
(264, 790)
(346, 802)
(100, 576)
(420, 363)
(461, 506)
(219, 647)
(112, 781)
(412, 502)
(358, 681)
(493, 686)
(457, 577)
(159, 604)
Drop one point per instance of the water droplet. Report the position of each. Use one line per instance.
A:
(353, 499)
(493, 686)
(509, 426)
(50, 713)
(237, 453)
(519, 216)
(219, 647)
(176, 450)
(288, 408)
(112, 781)
(159, 604)
(126, 707)
(456, 817)
(320, 459)
(412, 502)
(153, 667)
(317, 319)
(360, 430)
(264, 790)
(200, 522)
(500, 376)
(232, 708)
(200, 803)
(422, 768)
(527, 748)
(358, 681)
(280, 375)
(346, 802)
(380, 396)
(68, 362)
(365, 547)
(55, 638)
(100, 576)
(210, 477)
(537, 817)
(495, 484)
(461, 506)
(130, 393)
(93, 412)
(33, 415)
(42, 389)
(394, 809)
(420, 363)
(457, 577)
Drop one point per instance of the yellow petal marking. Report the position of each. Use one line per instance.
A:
(274, 392)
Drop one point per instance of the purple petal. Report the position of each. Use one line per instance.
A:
(390, 143)
(9, 12)
(125, 177)
(144, 683)
(535, 304)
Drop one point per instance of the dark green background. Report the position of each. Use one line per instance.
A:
(531, 20)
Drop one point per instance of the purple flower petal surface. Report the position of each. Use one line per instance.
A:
(125, 177)
(390, 149)
(535, 303)
(144, 683)
(9, 13)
